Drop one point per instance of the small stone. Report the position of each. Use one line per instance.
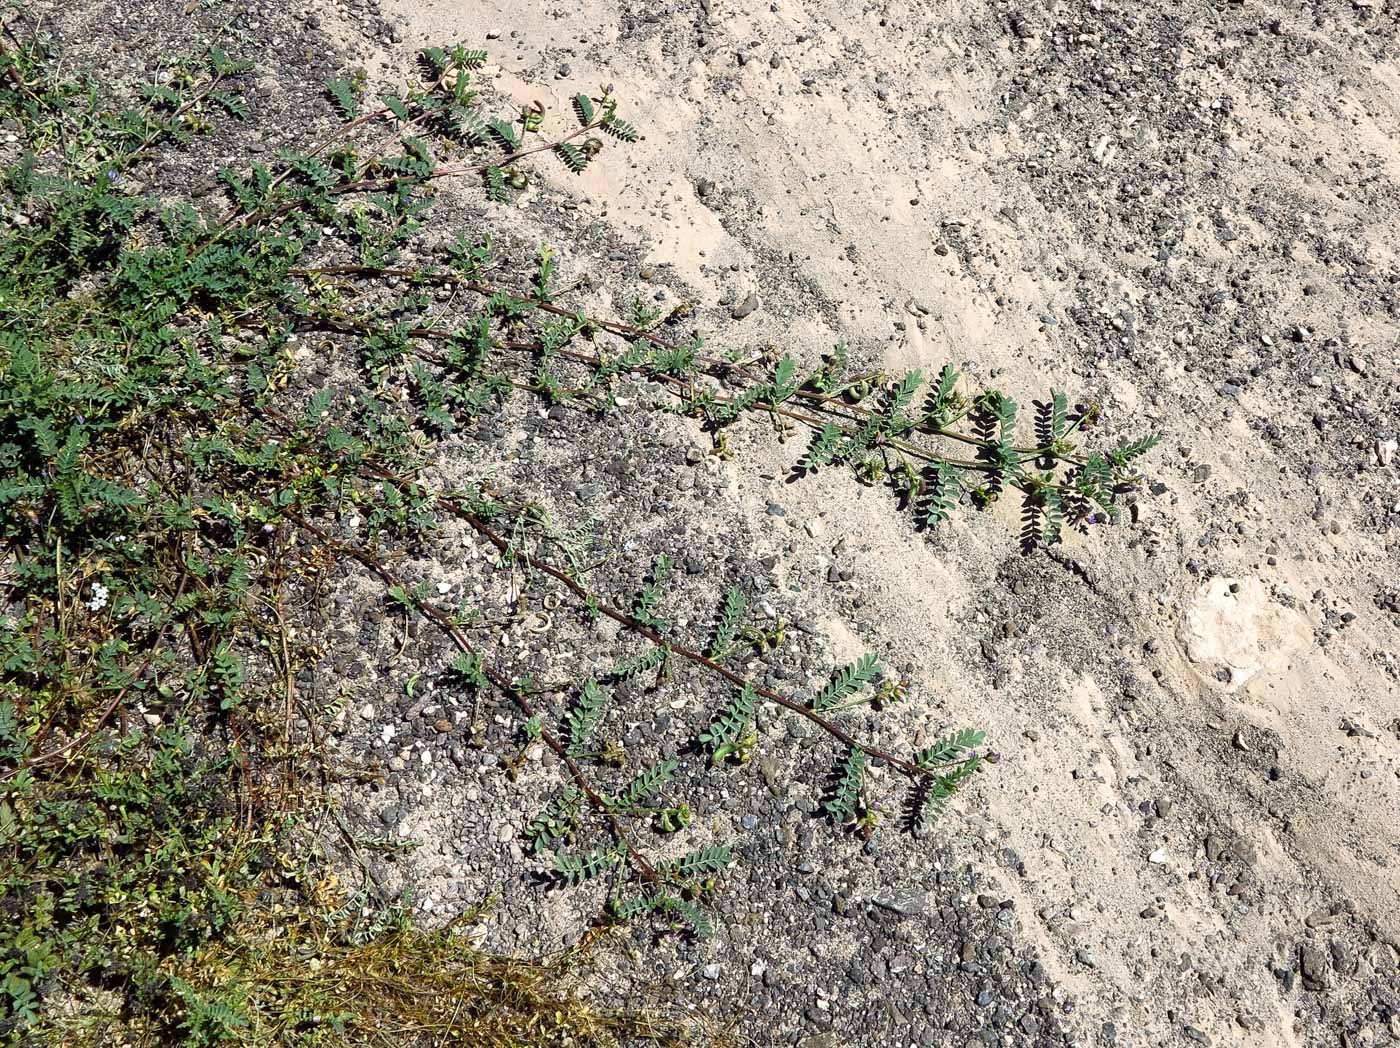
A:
(1320, 918)
(1158, 857)
(744, 308)
(442, 725)
(1355, 730)
(1312, 964)
(907, 902)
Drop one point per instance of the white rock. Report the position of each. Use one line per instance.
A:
(1244, 631)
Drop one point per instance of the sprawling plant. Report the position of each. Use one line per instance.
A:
(167, 492)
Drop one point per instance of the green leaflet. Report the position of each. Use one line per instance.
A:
(645, 784)
(940, 495)
(848, 680)
(620, 129)
(638, 664)
(731, 619)
(822, 450)
(845, 795)
(556, 820)
(505, 133)
(730, 730)
(697, 863)
(784, 383)
(937, 792)
(344, 97)
(1124, 455)
(584, 717)
(896, 418)
(577, 867)
(574, 158)
(948, 749)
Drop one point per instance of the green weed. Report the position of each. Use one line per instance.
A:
(169, 490)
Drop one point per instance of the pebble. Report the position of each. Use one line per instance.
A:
(1312, 965)
(749, 305)
(907, 902)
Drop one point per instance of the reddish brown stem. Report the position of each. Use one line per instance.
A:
(637, 626)
(639, 861)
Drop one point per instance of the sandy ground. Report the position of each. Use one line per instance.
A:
(1190, 212)
(1055, 194)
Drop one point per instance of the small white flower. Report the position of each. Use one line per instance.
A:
(98, 600)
